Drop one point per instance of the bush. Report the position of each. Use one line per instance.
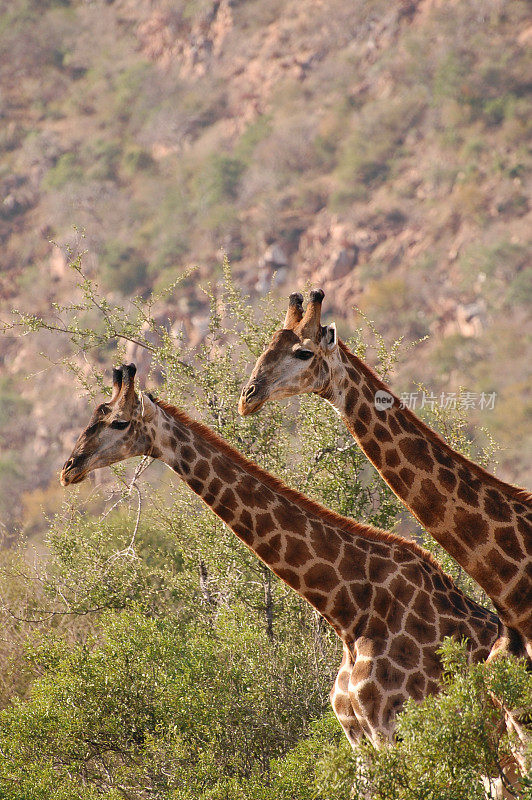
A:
(452, 744)
(504, 270)
(66, 170)
(136, 159)
(123, 268)
(103, 157)
(219, 180)
(155, 704)
(169, 662)
(387, 300)
(370, 151)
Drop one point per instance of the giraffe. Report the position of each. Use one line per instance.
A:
(387, 599)
(483, 522)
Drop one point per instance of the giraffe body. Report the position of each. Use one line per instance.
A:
(483, 522)
(386, 598)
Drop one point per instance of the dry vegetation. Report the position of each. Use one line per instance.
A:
(378, 149)
(381, 148)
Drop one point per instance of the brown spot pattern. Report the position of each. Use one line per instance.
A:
(322, 577)
(496, 507)
(467, 494)
(391, 458)
(405, 652)
(372, 450)
(364, 413)
(472, 527)
(429, 504)
(396, 622)
(416, 451)
(447, 479)
(381, 433)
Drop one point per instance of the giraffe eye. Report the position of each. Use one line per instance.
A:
(303, 355)
(119, 425)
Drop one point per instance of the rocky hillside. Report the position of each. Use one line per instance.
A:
(376, 149)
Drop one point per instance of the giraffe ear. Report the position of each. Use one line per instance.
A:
(147, 406)
(329, 337)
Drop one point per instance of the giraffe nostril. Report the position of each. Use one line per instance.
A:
(250, 391)
(73, 462)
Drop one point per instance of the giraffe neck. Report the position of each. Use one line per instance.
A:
(294, 536)
(371, 586)
(482, 522)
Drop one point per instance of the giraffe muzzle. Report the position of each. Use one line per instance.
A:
(72, 471)
(249, 401)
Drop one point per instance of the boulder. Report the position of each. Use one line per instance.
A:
(342, 263)
(274, 256)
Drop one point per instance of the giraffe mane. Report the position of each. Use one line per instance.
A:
(515, 492)
(346, 524)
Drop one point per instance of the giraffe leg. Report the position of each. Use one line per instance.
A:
(343, 709)
(341, 702)
(510, 642)
(376, 691)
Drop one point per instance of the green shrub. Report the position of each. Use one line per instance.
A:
(157, 703)
(520, 289)
(67, 170)
(219, 180)
(136, 159)
(127, 90)
(504, 266)
(169, 255)
(255, 133)
(123, 268)
(451, 75)
(169, 677)
(370, 151)
(448, 745)
(103, 157)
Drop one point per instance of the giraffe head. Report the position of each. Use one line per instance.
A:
(298, 358)
(118, 429)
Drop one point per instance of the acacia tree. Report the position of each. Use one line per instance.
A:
(152, 655)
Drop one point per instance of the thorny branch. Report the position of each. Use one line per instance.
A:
(142, 466)
(327, 451)
(128, 552)
(31, 322)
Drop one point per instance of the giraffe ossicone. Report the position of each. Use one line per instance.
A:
(388, 600)
(483, 522)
